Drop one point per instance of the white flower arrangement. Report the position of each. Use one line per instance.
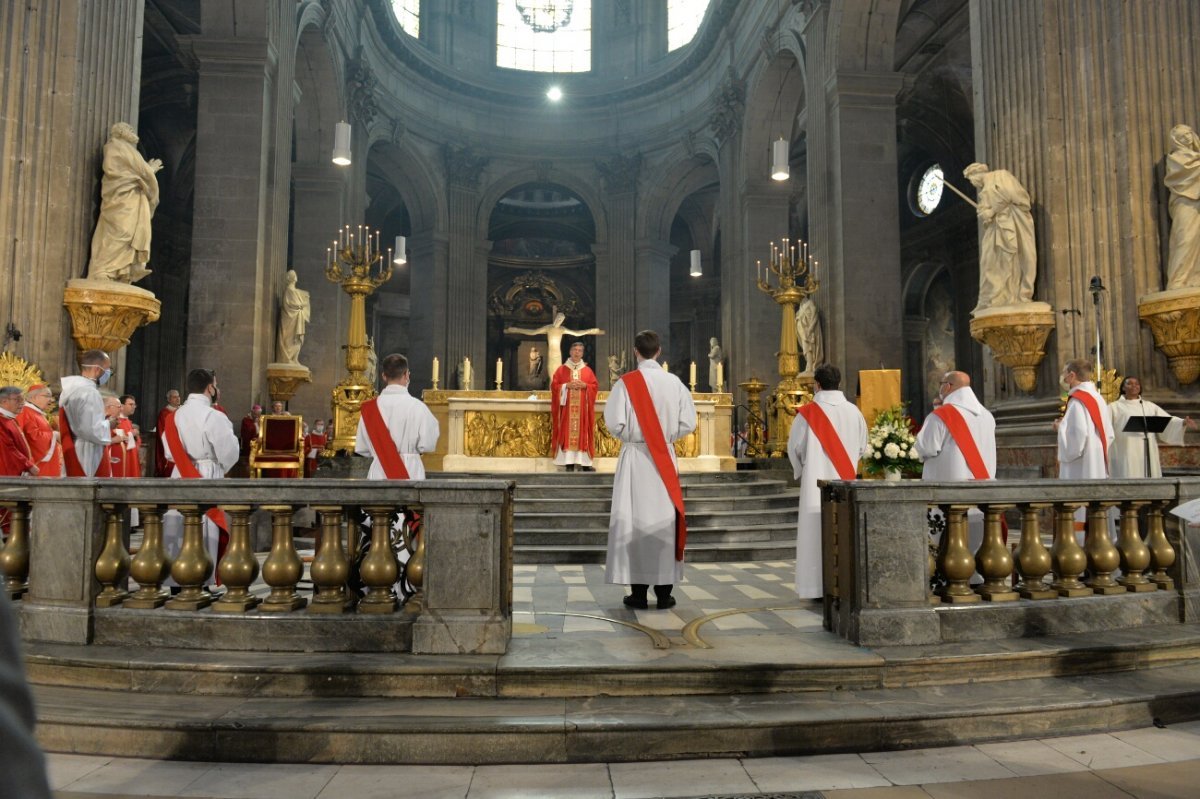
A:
(892, 445)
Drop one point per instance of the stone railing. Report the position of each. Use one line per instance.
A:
(67, 558)
(889, 581)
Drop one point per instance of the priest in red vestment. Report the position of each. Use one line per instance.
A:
(162, 466)
(133, 438)
(117, 452)
(314, 442)
(44, 446)
(15, 458)
(573, 389)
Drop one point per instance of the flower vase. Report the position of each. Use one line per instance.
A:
(891, 475)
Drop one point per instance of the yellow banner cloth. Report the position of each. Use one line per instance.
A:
(878, 390)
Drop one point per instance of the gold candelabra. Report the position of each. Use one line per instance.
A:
(355, 261)
(795, 272)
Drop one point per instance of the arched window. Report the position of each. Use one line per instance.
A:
(408, 12)
(683, 20)
(544, 35)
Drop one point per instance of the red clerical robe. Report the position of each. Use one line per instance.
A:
(574, 417)
(15, 459)
(313, 444)
(43, 448)
(248, 433)
(133, 460)
(162, 466)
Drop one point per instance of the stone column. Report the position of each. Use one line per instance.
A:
(1076, 100)
(616, 272)
(652, 289)
(466, 276)
(71, 70)
(428, 264)
(231, 296)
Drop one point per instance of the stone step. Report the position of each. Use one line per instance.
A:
(719, 552)
(598, 539)
(722, 520)
(758, 502)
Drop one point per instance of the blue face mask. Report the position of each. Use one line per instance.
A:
(103, 378)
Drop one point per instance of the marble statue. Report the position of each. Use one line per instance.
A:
(294, 313)
(715, 356)
(554, 333)
(808, 335)
(616, 368)
(537, 364)
(372, 361)
(1183, 181)
(1007, 251)
(128, 197)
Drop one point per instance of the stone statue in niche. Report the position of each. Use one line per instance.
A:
(294, 314)
(1183, 181)
(715, 356)
(808, 335)
(1007, 251)
(616, 368)
(554, 333)
(128, 197)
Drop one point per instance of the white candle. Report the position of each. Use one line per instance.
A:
(692, 374)
(720, 376)
(467, 372)
(499, 371)
(435, 369)
(666, 366)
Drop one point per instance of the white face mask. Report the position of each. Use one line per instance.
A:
(1063, 384)
(103, 378)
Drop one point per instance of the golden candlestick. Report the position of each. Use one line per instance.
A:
(755, 440)
(795, 271)
(355, 261)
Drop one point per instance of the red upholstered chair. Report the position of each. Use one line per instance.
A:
(279, 450)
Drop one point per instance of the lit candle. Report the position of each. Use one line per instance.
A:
(467, 372)
(666, 366)
(499, 371)
(758, 265)
(692, 374)
(720, 376)
(435, 369)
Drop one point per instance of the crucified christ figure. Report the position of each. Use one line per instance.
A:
(554, 333)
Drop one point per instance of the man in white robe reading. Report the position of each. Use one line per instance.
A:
(1085, 430)
(648, 409)
(1129, 455)
(829, 436)
(397, 420)
(211, 449)
(958, 443)
(81, 420)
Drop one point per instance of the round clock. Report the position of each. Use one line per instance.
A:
(929, 189)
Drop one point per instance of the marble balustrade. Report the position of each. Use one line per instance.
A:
(1084, 557)
(67, 559)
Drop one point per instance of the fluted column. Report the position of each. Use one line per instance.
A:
(71, 69)
(428, 259)
(617, 272)
(1076, 100)
(652, 296)
(466, 276)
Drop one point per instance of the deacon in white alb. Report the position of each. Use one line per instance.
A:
(1085, 430)
(409, 422)
(1127, 457)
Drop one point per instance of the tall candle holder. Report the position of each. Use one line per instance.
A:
(795, 272)
(355, 261)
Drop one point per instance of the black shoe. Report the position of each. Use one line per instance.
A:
(570, 467)
(666, 603)
(589, 468)
(632, 601)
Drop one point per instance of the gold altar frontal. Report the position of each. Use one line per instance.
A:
(509, 432)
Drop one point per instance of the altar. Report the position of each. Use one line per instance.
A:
(509, 432)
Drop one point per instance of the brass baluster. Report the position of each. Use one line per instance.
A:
(1033, 559)
(150, 566)
(1103, 558)
(958, 564)
(113, 563)
(239, 566)
(1067, 557)
(994, 561)
(379, 568)
(330, 567)
(14, 558)
(1135, 555)
(414, 572)
(283, 568)
(192, 566)
(1162, 554)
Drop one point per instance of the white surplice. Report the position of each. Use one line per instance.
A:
(1127, 454)
(413, 428)
(207, 435)
(810, 464)
(1080, 450)
(84, 406)
(641, 526)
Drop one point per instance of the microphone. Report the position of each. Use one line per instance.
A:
(1095, 287)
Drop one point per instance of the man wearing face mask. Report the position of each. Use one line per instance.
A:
(81, 420)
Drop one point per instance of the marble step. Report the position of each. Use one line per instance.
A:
(719, 552)
(336, 729)
(694, 504)
(712, 520)
(598, 536)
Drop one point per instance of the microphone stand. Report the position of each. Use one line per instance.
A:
(1145, 437)
(1096, 288)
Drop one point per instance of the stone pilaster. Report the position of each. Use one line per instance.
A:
(652, 294)
(616, 272)
(466, 276)
(428, 264)
(71, 69)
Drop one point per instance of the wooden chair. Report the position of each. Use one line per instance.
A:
(279, 448)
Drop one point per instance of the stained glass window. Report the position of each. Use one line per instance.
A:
(544, 35)
(683, 20)
(408, 12)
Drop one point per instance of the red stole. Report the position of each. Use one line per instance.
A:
(643, 409)
(831, 443)
(953, 419)
(382, 445)
(1093, 409)
(74, 467)
(188, 470)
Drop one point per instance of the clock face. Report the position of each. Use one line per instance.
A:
(929, 189)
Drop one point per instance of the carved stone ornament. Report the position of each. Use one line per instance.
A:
(360, 88)
(463, 166)
(620, 173)
(284, 378)
(1174, 319)
(1017, 338)
(513, 299)
(730, 106)
(105, 313)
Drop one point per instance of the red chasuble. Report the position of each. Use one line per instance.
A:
(313, 441)
(162, 466)
(382, 445)
(1093, 408)
(656, 442)
(14, 452)
(133, 458)
(42, 446)
(572, 424)
(831, 443)
(953, 419)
